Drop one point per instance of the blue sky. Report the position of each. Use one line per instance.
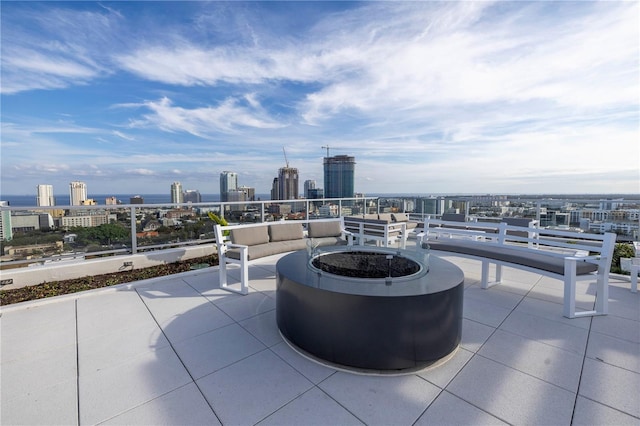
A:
(429, 97)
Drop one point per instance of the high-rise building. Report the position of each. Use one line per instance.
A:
(77, 193)
(6, 234)
(192, 196)
(45, 196)
(236, 195)
(308, 185)
(275, 189)
(228, 182)
(249, 191)
(288, 183)
(315, 193)
(339, 176)
(176, 193)
(111, 201)
(136, 200)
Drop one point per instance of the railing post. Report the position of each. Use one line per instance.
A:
(134, 237)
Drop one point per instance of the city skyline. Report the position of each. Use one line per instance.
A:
(430, 97)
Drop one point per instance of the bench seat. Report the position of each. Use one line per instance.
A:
(267, 249)
(545, 261)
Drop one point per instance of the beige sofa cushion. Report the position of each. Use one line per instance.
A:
(285, 232)
(400, 217)
(324, 229)
(250, 236)
(385, 216)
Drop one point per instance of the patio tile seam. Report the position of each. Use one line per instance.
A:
(606, 405)
(441, 389)
(338, 402)
(533, 316)
(495, 327)
(298, 370)
(314, 387)
(173, 341)
(584, 357)
(632, 372)
(181, 361)
(238, 321)
(232, 364)
(533, 376)
(466, 401)
(514, 333)
(143, 403)
(255, 336)
(612, 336)
(622, 317)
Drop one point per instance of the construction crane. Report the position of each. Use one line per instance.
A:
(327, 148)
(285, 157)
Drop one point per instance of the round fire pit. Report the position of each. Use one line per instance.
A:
(370, 308)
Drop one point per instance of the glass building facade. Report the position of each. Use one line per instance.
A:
(339, 176)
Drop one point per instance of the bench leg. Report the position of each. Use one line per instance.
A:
(486, 266)
(569, 307)
(602, 292)
(223, 272)
(244, 278)
(244, 274)
(634, 278)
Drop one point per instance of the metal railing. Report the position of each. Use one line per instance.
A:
(170, 225)
(183, 224)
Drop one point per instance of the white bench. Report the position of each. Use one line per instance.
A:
(568, 256)
(240, 244)
(383, 232)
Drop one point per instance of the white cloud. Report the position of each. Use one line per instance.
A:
(448, 95)
(53, 50)
(229, 116)
(123, 136)
(141, 171)
(584, 63)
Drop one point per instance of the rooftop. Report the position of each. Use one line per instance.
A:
(178, 350)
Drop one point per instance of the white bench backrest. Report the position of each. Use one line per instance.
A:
(221, 239)
(538, 238)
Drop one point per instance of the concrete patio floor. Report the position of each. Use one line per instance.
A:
(178, 350)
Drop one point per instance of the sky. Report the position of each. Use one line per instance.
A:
(429, 97)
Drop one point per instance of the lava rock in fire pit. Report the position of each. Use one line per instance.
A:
(364, 264)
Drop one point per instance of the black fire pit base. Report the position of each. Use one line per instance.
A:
(367, 324)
